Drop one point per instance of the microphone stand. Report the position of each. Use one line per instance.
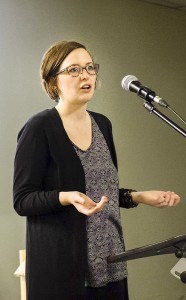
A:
(152, 109)
(176, 245)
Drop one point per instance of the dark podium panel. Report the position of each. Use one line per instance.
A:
(176, 245)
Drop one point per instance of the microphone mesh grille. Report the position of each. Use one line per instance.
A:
(127, 80)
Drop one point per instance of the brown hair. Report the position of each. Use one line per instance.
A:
(51, 62)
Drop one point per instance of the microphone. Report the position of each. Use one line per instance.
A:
(131, 83)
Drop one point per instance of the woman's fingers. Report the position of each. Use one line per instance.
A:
(98, 206)
(169, 199)
(86, 205)
(101, 204)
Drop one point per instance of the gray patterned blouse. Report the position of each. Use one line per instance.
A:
(104, 231)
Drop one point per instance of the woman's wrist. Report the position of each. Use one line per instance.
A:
(64, 199)
(136, 197)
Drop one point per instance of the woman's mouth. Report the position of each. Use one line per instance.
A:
(86, 87)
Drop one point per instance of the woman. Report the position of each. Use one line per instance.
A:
(66, 184)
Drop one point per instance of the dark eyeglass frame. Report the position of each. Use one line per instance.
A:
(96, 68)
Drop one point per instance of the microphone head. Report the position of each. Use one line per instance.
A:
(126, 81)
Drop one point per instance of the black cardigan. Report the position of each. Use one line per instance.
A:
(46, 163)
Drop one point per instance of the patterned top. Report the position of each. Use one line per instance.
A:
(104, 231)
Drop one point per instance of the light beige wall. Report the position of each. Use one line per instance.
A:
(126, 37)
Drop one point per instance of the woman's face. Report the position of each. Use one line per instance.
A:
(80, 89)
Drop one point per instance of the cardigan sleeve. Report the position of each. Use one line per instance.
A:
(125, 199)
(30, 167)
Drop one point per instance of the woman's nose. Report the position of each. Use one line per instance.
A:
(84, 74)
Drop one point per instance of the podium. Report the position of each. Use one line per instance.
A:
(176, 245)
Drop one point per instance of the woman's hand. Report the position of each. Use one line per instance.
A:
(156, 198)
(82, 202)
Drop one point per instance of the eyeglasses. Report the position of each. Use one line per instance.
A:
(76, 70)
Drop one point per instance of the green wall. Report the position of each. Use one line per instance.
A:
(126, 37)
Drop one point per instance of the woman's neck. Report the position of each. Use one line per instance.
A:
(76, 112)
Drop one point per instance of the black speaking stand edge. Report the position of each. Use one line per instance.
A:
(176, 245)
(151, 108)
